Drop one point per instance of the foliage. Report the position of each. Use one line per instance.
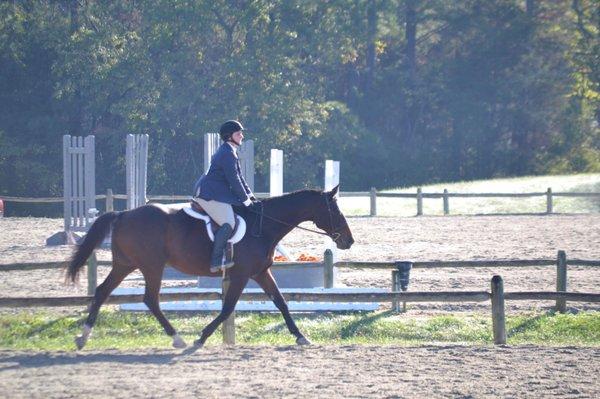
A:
(482, 88)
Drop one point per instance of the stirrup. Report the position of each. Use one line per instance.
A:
(224, 266)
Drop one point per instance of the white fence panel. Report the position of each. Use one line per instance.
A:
(137, 169)
(276, 176)
(212, 141)
(79, 182)
(332, 174)
(246, 156)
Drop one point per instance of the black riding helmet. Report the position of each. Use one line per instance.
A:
(228, 128)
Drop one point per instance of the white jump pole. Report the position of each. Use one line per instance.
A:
(332, 174)
(332, 179)
(136, 169)
(276, 175)
(276, 188)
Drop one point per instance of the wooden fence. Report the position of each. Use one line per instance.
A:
(561, 263)
(373, 194)
(395, 296)
(497, 297)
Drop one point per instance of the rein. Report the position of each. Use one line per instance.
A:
(262, 215)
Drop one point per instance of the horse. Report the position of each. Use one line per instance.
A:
(152, 235)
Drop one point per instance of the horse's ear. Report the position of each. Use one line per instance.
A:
(334, 193)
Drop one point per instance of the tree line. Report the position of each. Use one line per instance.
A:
(402, 92)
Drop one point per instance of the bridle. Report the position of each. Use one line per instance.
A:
(335, 235)
(334, 231)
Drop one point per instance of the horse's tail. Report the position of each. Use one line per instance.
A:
(92, 240)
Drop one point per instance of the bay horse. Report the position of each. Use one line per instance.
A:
(148, 237)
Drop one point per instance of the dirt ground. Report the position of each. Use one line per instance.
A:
(336, 371)
(305, 372)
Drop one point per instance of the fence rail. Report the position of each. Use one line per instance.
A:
(373, 194)
(497, 297)
(23, 266)
(466, 264)
(328, 265)
(392, 296)
(440, 296)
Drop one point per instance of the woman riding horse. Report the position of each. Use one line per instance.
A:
(221, 187)
(148, 237)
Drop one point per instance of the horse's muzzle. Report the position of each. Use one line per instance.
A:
(344, 243)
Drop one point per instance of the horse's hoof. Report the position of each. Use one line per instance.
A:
(303, 341)
(178, 342)
(198, 344)
(80, 342)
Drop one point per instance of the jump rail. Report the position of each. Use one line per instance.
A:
(373, 194)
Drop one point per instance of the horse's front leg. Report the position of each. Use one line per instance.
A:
(268, 284)
(236, 287)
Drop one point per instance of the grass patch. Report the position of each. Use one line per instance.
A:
(472, 206)
(44, 331)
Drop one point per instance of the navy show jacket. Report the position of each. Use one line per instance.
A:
(224, 181)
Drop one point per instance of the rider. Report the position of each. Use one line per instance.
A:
(223, 186)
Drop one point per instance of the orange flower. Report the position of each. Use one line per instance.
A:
(307, 258)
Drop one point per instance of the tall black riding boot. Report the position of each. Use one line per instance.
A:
(216, 259)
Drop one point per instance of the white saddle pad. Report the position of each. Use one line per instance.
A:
(239, 234)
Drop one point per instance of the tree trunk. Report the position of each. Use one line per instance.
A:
(410, 66)
(371, 35)
(411, 40)
(75, 117)
(530, 8)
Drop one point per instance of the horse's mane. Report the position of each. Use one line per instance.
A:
(291, 201)
(298, 194)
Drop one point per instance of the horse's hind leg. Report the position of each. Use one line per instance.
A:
(267, 283)
(114, 278)
(153, 277)
(233, 294)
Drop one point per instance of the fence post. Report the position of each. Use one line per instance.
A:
(400, 280)
(328, 269)
(498, 317)
(229, 323)
(446, 202)
(110, 205)
(419, 202)
(561, 280)
(92, 274)
(549, 200)
(373, 195)
(403, 277)
(395, 288)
